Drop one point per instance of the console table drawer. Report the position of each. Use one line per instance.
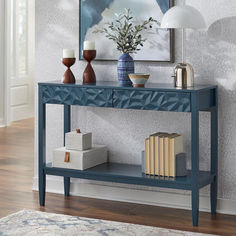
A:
(95, 97)
(69, 95)
(152, 100)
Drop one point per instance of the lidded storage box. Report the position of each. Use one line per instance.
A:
(78, 152)
(78, 141)
(79, 160)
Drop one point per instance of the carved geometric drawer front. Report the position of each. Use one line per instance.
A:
(152, 100)
(96, 97)
(70, 95)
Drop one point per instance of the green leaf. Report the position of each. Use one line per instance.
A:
(125, 33)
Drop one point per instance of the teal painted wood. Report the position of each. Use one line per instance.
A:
(69, 95)
(41, 148)
(151, 100)
(131, 174)
(67, 128)
(153, 97)
(149, 86)
(214, 153)
(118, 98)
(195, 157)
(207, 98)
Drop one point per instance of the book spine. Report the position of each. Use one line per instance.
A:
(166, 156)
(162, 164)
(152, 155)
(171, 158)
(157, 161)
(147, 157)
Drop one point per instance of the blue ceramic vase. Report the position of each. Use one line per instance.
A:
(124, 68)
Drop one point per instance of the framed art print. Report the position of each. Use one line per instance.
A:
(95, 13)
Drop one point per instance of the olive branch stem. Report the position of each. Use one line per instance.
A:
(127, 36)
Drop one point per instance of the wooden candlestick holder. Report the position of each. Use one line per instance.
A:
(69, 78)
(89, 76)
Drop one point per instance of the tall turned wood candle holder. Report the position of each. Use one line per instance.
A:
(69, 78)
(89, 76)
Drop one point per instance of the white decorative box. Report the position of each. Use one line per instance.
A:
(78, 141)
(79, 160)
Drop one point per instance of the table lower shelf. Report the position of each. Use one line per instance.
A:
(130, 174)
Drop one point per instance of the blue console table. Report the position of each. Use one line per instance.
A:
(159, 97)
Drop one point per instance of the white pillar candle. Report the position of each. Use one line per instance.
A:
(89, 45)
(68, 53)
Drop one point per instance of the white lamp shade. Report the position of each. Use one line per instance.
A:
(183, 17)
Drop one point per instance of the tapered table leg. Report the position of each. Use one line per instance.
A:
(67, 128)
(195, 158)
(214, 155)
(41, 148)
(42, 188)
(67, 186)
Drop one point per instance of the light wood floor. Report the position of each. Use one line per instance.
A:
(16, 172)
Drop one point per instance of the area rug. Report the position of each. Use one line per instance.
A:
(27, 222)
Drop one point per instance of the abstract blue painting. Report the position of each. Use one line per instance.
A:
(95, 13)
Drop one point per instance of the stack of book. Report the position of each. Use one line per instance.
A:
(160, 153)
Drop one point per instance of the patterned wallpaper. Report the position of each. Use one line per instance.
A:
(212, 52)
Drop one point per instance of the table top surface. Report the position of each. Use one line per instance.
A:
(148, 86)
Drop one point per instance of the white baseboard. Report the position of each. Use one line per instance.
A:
(2, 123)
(123, 194)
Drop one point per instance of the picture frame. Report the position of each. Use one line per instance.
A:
(160, 48)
